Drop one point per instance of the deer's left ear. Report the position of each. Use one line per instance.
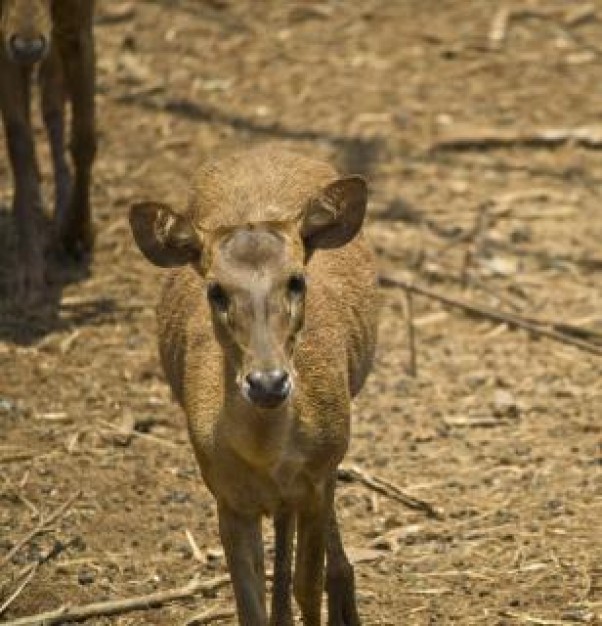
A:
(336, 215)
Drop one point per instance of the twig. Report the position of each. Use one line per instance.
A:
(478, 283)
(196, 551)
(412, 367)
(17, 456)
(40, 527)
(115, 607)
(209, 616)
(30, 574)
(580, 15)
(386, 488)
(491, 138)
(494, 314)
(573, 330)
(500, 25)
(114, 15)
(530, 619)
(137, 433)
(499, 28)
(30, 505)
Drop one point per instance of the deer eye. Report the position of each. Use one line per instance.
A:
(296, 285)
(217, 296)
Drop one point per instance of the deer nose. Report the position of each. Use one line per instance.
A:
(268, 388)
(27, 49)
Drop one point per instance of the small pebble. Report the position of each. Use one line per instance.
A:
(85, 577)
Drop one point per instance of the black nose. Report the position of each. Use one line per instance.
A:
(27, 49)
(268, 388)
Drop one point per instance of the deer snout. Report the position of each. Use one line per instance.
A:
(27, 49)
(268, 388)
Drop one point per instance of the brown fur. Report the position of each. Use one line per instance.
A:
(66, 73)
(280, 462)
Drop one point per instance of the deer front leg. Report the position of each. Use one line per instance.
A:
(53, 110)
(243, 546)
(282, 612)
(74, 226)
(340, 584)
(312, 524)
(27, 203)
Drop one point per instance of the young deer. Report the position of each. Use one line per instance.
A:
(57, 35)
(267, 330)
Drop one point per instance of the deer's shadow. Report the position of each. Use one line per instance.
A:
(27, 322)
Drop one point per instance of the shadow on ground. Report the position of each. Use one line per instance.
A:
(358, 154)
(24, 323)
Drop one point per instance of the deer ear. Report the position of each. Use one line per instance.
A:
(336, 215)
(166, 238)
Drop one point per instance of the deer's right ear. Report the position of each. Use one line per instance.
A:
(336, 215)
(166, 238)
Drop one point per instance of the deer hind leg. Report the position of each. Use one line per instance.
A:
(15, 83)
(74, 225)
(53, 111)
(243, 546)
(282, 612)
(340, 583)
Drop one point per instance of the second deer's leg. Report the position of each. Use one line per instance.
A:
(243, 546)
(75, 229)
(282, 613)
(53, 110)
(27, 203)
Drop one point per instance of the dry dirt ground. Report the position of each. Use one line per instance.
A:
(500, 428)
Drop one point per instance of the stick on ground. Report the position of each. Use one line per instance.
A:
(491, 138)
(209, 616)
(499, 28)
(531, 619)
(26, 580)
(493, 314)
(412, 367)
(43, 524)
(114, 607)
(386, 488)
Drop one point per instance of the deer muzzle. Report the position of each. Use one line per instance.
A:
(267, 389)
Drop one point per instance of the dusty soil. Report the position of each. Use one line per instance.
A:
(500, 428)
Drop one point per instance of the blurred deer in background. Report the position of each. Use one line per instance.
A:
(267, 330)
(55, 36)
